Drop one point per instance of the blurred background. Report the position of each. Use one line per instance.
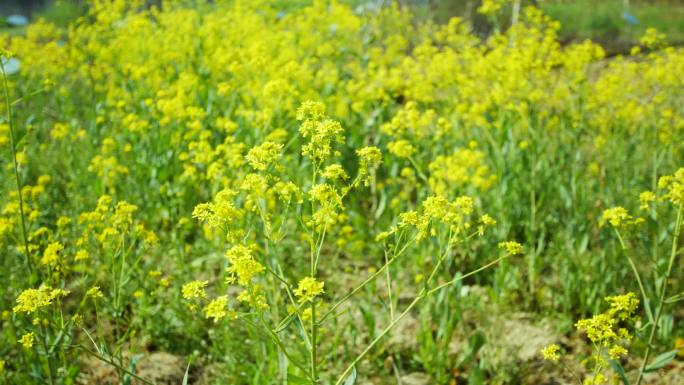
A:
(615, 24)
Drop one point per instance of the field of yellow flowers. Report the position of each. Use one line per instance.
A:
(311, 192)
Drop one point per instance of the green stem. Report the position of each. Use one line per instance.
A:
(636, 274)
(364, 283)
(423, 293)
(462, 277)
(117, 366)
(388, 279)
(47, 352)
(280, 344)
(314, 342)
(663, 290)
(10, 122)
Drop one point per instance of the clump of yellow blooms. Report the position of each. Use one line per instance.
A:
(243, 267)
(321, 131)
(262, 156)
(217, 308)
(489, 7)
(551, 353)
(27, 340)
(94, 292)
(645, 199)
(308, 288)
(673, 186)
(335, 172)
(369, 159)
(618, 217)
(194, 289)
(31, 300)
(608, 333)
(401, 148)
(465, 167)
(51, 254)
(512, 248)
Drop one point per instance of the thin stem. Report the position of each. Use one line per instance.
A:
(572, 373)
(379, 337)
(441, 258)
(663, 290)
(423, 293)
(315, 254)
(47, 350)
(319, 246)
(114, 364)
(280, 344)
(388, 279)
(462, 277)
(314, 350)
(636, 274)
(418, 169)
(10, 122)
(364, 283)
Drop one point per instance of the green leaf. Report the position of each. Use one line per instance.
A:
(617, 368)
(660, 361)
(185, 376)
(296, 380)
(351, 380)
(476, 377)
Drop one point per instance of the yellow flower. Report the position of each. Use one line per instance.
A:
(51, 254)
(401, 148)
(652, 38)
(550, 353)
(335, 172)
(674, 184)
(369, 159)
(489, 7)
(645, 199)
(81, 255)
(217, 308)
(27, 340)
(194, 289)
(94, 292)
(617, 217)
(165, 282)
(243, 267)
(59, 131)
(512, 248)
(616, 352)
(308, 289)
(31, 300)
(623, 306)
(262, 156)
(310, 110)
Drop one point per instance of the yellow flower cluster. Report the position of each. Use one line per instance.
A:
(551, 353)
(31, 300)
(27, 340)
(243, 267)
(308, 289)
(605, 331)
(465, 167)
(262, 156)
(435, 209)
(674, 187)
(618, 217)
(108, 222)
(320, 130)
(512, 248)
(194, 289)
